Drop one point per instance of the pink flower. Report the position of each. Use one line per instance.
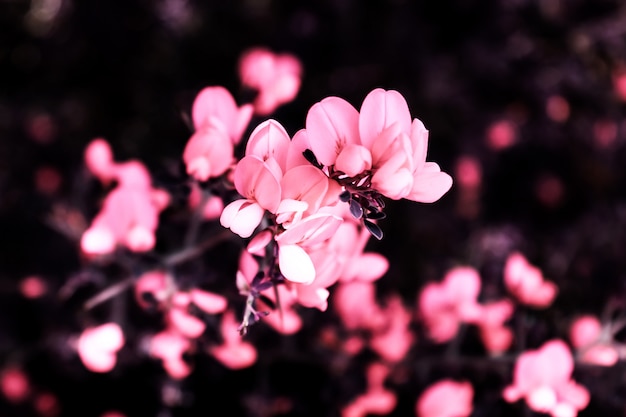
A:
(395, 339)
(377, 399)
(219, 124)
(130, 213)
(380, 147)
(275, 76)
(543, 378)
(209, 151)
(259, 183)
(14, 384)
(293, 260)
(234, 353)
(169, 346)
(355, 303)
(495, 336)
(444, 306)
(99, 160)
(128, 217)
(526, 282)
(215, 106)
(152, 283)
(446, 398)
(593, 343)
(97, 347)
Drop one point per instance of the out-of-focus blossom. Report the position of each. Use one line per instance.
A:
(377, 399)
(495, 336)
(446, 398)
(444, 306)
(47, 404)
(526, 282)
(48, 180)
(557, 108)
(593, 342)
(14, 384)
(130, 213)
(213, 206)
(394, 340)
(542, 378)
(234, 353)
(219, 124)
(169, 346)
(355, 303)
(151, 286)
(619, 84)
(98, 346)
(605, 133)
(501, 134)
(276, 77)
(33, 287)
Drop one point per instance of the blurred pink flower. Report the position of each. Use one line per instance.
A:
(276, 77)
(526, 282)
(98, 346)
(33, 287)
(444, 306)
(234, 353)
(446, 398)
(377, 399)
(501, 134)
(543, 378)
(219, 124)
(355, 303)
(14, 384)
(593, 343)
(130, 213)
(495, 336)
(395, 339)
(169, 346)
(216, 106)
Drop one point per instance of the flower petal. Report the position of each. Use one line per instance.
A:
(295, 264)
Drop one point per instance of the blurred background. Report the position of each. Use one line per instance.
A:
(525, 103)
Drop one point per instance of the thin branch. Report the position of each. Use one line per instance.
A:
(108, 293)
(192, 252)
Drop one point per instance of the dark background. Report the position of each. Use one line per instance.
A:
(127, 71)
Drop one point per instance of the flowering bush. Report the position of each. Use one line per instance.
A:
(316, 229)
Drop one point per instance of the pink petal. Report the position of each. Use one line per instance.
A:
(269, 140)
(295, 264)
(435, 401)
(430, 184)
(235, 356)
(331, 124)
(259, 242)
(14, 385)
(379, 110)
(305, 183)
(255, 180)
(99, 159)
(207, 301)
(216, 102)
(353, 159)
(367, 267)
(299, 144)
(242, 217)
(188, 325)
(311, 230)
(97, 347)
(97, 241)
(585, 331)
(140, 239)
